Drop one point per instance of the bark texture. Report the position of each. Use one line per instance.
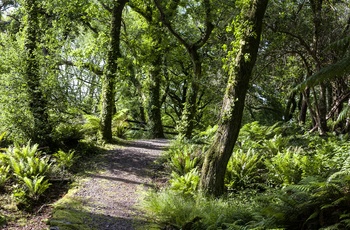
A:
(154, 103)
(37, 100)
(110, 74)
(216, 159)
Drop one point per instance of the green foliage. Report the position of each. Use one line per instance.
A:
(35, 186)
(64, 159)
(185, 184)
(28, 169)
(119, 125)
(183, 160)
(4, 174)
(26, 161)
(68, 134)
(327, 73)
(206, 136)
(92, 126)
(243, 170)
(169, 208)
(2, 139)
(285, 167)
(301, 181)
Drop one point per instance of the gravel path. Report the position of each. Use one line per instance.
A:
(108, 197)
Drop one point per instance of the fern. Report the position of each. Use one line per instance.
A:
(36, 186)
(332, 71)
(183, 160)
(4, 174)
(65, 160)
(285, 167)
(185, 184)
(92, 125)
(26, 161)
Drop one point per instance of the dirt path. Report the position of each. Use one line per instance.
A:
(106, 199)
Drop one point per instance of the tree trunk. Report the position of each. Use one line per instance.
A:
(189, 113)
(220, 151)
(322, 111)
(154, 104)
(304, 106)
(290, 107)
(109, 76)
(37, 100)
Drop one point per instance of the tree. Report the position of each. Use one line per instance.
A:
(111, 68)
(154, 56)
(248, 28)
(37, 100)
(190, 109)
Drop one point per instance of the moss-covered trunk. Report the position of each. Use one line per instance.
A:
(216, 158)
(189, 113)
(37, 100)
(110, 73)
(154, 104)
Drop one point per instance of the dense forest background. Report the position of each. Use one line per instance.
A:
(61, 61)
(83, 69)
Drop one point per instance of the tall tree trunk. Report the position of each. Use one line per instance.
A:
(154, 104)
(110, 73)
(189, 113)
(220, 151)
(321, 104)
(37, 100)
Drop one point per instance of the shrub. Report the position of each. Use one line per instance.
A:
(169, 208)
(35, 187)
(92, 126)
(29, 169)
(182, 157)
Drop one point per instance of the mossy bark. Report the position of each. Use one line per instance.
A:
(220, 151)
(110, 73)
(189, 113)
(154, 104)
(37, 100)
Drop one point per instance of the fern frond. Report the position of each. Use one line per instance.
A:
(337, 69)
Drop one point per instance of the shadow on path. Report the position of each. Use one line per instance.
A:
(134, 158)
(106, 199)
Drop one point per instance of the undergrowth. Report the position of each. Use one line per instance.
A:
(277, 178)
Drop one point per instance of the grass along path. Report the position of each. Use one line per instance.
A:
(105, 199)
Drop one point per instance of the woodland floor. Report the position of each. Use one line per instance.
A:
(105, 198)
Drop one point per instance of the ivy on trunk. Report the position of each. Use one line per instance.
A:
(219, 153)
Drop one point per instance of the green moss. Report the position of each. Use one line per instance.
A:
(70, 214)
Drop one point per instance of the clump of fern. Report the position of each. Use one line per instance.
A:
(91, 127)
(120, 127)
(68, 134)
(186, 184)
(244, 170)
(29, 170)
(178, 211)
